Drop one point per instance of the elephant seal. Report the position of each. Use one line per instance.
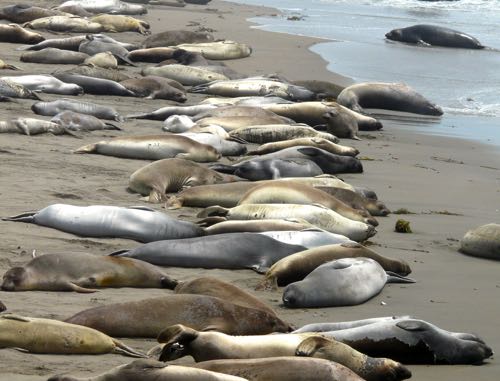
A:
(258, 226)
(105, 60)
(322, 89)
(226, 291)
(121, 23)
(94, 44)
(151, 370)
(309, 237)
(139, 223)
(317, 215)
(297, 266)
(433, 35)
(96, 72)
(148, 317)
(221, 251)
(152, 87)
(204, 346)
(6, 66)
(388, 96)
(176, 37)
(21, 13)
(31, 126)
(171, 175)
(153, 147)
(74, 121)
(356, 200)
(281, 132)
(2, 307)
(273, 168)
(54, 56)
(296, 193)
(66, 43)
(109, 6)
(164, 112)
(10, 89)
(413, 341)
(52, 336)
(45, 84)
(152, 55)
(342, 282)
(324, 144)
(230, 123)
(186, 75)
(70, 24)
(96, 86)
(483, 241)
(73, 8)
(82, 272)
(218, 50)
(233, 111)
(18, 35)
(231, 147)
(55, 107)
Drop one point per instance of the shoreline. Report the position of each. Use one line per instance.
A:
(427, 175)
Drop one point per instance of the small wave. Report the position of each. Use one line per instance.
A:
(462, 5)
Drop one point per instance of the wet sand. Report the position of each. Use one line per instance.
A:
(451, 185)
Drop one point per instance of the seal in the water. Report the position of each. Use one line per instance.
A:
(55, 337)
(139, 223)
(433, 35)
(82, 272)
(297, 266)
(148, 317)
(387, 96)
(171, 175)
(153, 147)
(55, 107)
(151, 370)
(54, 56)
(483, 241)
(223, 251)
(342, 282)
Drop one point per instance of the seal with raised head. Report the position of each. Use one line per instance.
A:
(433, 35)
(151, 370)
(483, 241)
(52, 336)
(82, 272)
(297, 266)
(153, 147)
(45, 84)
(137, 223)
(148, 317)
(153, 87)
(222, 251)
(342, 282)
(203, 346)
(18, 35)
(171, 175)
(387, 96)
(75, 121)
(54, 56)
(55, 107)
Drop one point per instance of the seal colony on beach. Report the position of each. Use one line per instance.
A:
(239, 167)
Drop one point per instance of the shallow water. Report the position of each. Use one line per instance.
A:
(466, 83)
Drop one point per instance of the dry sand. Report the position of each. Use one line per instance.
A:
(425, 174)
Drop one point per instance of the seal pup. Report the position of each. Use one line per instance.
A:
(74, 121)
(65, 104)
(222, 251)
(388, 96)
(317, 215)
(433, 35)
(105, 60)
(45, 83)
(15, 34)
(121, 23)
(297, 266)
(172, 175)
(72, 24)
(151, 370)
(342, 282)
(413, 341)
(54, 56)
(153, 147)
(55, 337)
(82, 272)
(205, 346)
(483, 241)
(148, 317)
(31, 126)
(136, 223)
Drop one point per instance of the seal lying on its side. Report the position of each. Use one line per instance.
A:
(137, 223)
(81, 122)
(83, 272)
(151, 370)
(483, 241)
(45, 84)
(343, 282)
(148, 317)
(56, 337)
(57, 106)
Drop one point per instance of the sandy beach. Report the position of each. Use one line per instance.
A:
(450, 185)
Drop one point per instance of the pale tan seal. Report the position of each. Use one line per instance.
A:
(219, 50)
(82, 272)
(230, 123)
(152, 55)
(52, 336)
(171, 175)
(121, 23)
(65, 24)
(153, 87)
(258, 226)
(297, 266)
(483, 241)
(283, 132)
(105, 60)
(356, 200)
(54, 56)
(317, 142)
(148, 317)
(16, 34)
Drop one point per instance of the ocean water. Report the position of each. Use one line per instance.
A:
(465, 83)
